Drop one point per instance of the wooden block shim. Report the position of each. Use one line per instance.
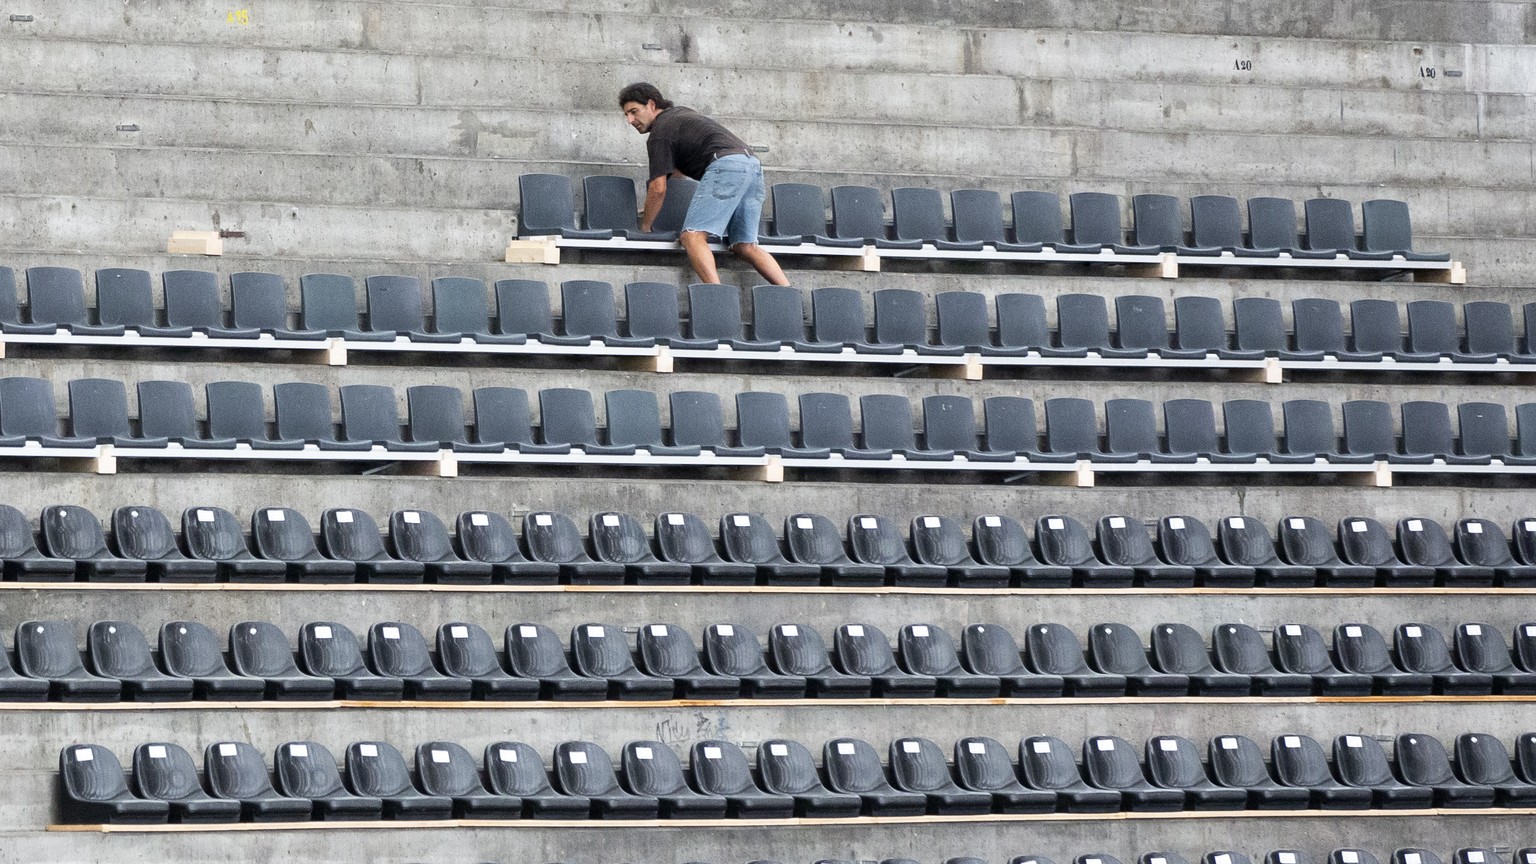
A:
(195, 243)
(537, 250)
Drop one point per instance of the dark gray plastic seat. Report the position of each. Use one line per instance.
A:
(1250, 429)
(236, 412)
(1237, 762)
(1362, 763)
(446, 770)
(93, 790)
(486, 537)
(47, 651)
(683, 538)
(118, 649)
(1217, 221)
(1432, 330)
(124, 297)
(1123, 542)
(634, 420)
(748, 538)
(1307, 542)
(1360, 649)
(567, 418)
(1421, 649)
(396, 305)
(1186, 541)
(1490, 330)
(794, 649)
(328, 303)
(1115, 649)
(720, 768)
(27, 413)
(698, 421)
(1363, 540)
(74, 534)
(56, 298)
(1047, 763)
(192, 300)
(1477, 647)
(1001, 541)
(949, 427)
(1190, 425)
(762, 421)
(990, 650)
(515, 770)
(826, 423)
(1240, 650)
(918, 214)
(1259, 326)
(983, 765)
(303, 412)
(553, 538)
(918, 765)
(1299, 762)
(1368, 431)
(668, 651)
(787, 768)
(1200, 329)
(1422, 542)
(163, 771)
(1300, 650)
(858, 212)
(535, 652)
(260, 301)
(1376, 327)
(522, 309)
(877, 540)
(853, 767)
(862, 650)
(601, 651)
(22, 559)
(1021, 323)
(166, 411)
(714, 314)
(653, 770)
(398, 649)
(1309, 434)
(1246, 542)
(940, 541)
(328, 649)
(1484, 431)
(611, 205)
(1053, 649)
(1096, 220)
(258, 649)
(1141, 324)
(461, 309)
(1157, 221)
(237, 771)
(1331, 227)
(1082, 322)
(1173, 762)
(1037, 219)
(466, 651)
(283, 534)
(619, 538)
(190, 650)
(213, 536)
(375, 769)
(369, 414)
(962, 319)
(547, 207)
(838, 316)
(800, 216)
(1388, 229)
(734, 651)
(419, 536)
(98, 411)
(1482, 760)
(584, 769)
(1427, 433)
(352, 535)
(778, 318)
(652, 312)
(587, 308)
(814, 540)
(1178, 649)
(1480, 543)
(305, 769)
(1064, 542)
(1319, 333)
(1422, 761)
(978, 218)
(901, 318)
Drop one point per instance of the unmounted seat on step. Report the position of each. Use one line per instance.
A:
(554, 539)
(466, 651)
(1422, 761)
(1186, 541)
(1299, 649)
(1421, 649)
(1362, 763)
(1479, 648)
(618, 538)
(352, 535)
(22, 559)
(1001, 541)
(419, 536)
(143, 533)
(1360, 649)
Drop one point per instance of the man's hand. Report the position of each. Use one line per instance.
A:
(655, 193)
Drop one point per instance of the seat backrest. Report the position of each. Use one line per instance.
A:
(55, 295)
(445, 768)
(1124, 541)
(191, 650)
(1490, 327)
(1481, 648)
(877, 539)
(546, 204)
(567, 416)
(1330, 224)
(522, 307)
(918, 214)
(748, 538)
(918, 765)
(991, 650)
(1375, 325)
(1110, 762)
(667, 650)
(1037, 217)
(303, 411)
(1140, 322)
(1156, 221)
(797, 650)
(963, 319)
(1386, 226)
(684, 538)
(465, 650)
(395, 303)
(587, 308)
(260, 650)
(732, 649)
(282, 534)
(858, 212)
(1053, 649)
(1010, 424)
(1363, 540)
(534, 651)
(165, 772)
(1096, 218)
(720, 768)
(1021, 321)
(237, 770)
(939, 540)
(552, 536)
(399, 649)
(1198, 324)
(674, 207)
(1309, 427)
(1432, 327)
(1423, 542)
(1361, 648)
(124, 296)
(460, 304)
(1483, 759)
(331, 649)
(983, 764)
(1174, 762)
(192, 299)
(1116, 649)
(26, 407)
(98, 409)
(1179, 648)
(862, 649)
(618, 538)
(787, 767)
(369, 413)
(118, 649)
(978, 215)
(583, 768)
(1130, 426)
(1185, 541)
(1063, 541)
(487, 537)
(838, 315)
(236, 409)
(887, 422)
(900, 318)
(826, 420)
(697, 420)
(1299, 760)
(1422, 761)
(600, 650)
(306, 769)
(714, 312)
(1237, 761)
(166, 410)
(799, 210)
(259, 300)
(651, 768)
(1217, 221)
(1082, 321)
(1245, 541)
(1360, 761)
(1319, 325)
(1307, 541)
(1190, 425)
(435, 412)
(72, 532)
(502, 415)
(814, 539)
(516, 769)
(1071, 427)
(376, 768)
(1250, 427)
(1001, 541)
(634, 418)
(762, 420)
(211, 533)
(1368, 428)
(328, 301)
(778, 313)
(852, 766)
(610, 202)
(651, 310)
(1258, 325)
(1299, 648)
(1239, 648)
(1046, 762)
(927, 649)
(1484, 429)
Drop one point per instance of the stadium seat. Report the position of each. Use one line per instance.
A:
(1141, 324)
(668, 651)
(282, 534)
(733, 651)
(1238, 763)
(1082, 322)
(1360, 649)
(887, 426)
(487, 538)
(369, 414)
(515, 770)
(901, 318)
(259, 650)
(1130, 426)
(1331, 227)
(1178, 649)
(1307, 542)
(838, 317)
(166, 411)
(1427, 433)
(1046, 763)
(812, 539)
(1245, 541)
(929, 650)
(47, 651)
(714, 315)
(652, 312)
(553, 538)
(1190, 426)
(395, 305)
(683, 538)
(212, 535)
(1115, 649)
(763, 422)
(651, 769)
(990, 650)
(1156, 221)
(748, 538)
(466, 651)
(418, 536)
(522, 309)
(305, 769)
(144, 534)
(446, 770)
(1363, 540)
(547, 207)
(1064, 542)
(1422, 542)
(461, 309)
(787, 768)
(1123, 542)
(190, 650)
(1200, 328)
(567, 417)
(163, 771)
(918, 214)
(98, 412)
(1001, 541)
(1217, 221)
(1309, 432)
(502, 417)
(328, 302)
(962, 320)
(619, 539)
(584, 769)
(93, 790)
(797, 650)
(1037, 219)
(259, 301)
(236, 771)
(1299, 650)
(1186, 541)
(853, 767)
(1421, 649)
(1432, 330)
(1010, 428)
(1479, 648)
(1387, 229)
(56, 296)
(375, 769)
(328, 649)
(858, 212)
(1376, 327)
(778, 319)
(611, 206)
(1250, 428)
(1481, 760)
(352, 535)
(721, 769)
(118, 649)
(303, 413)
(1422, 761)
(74, 534)
(876, 540)
(1490, 330)
(1174, 763)
(1320, 333)
(399, 650)
(983, 765)
(1362, 763)
(602, 651)
(1299, 762)
(940, 541)
(1239, 649)
(1351, 856)
(235, 412)
(978, 218)
(1096, 220)
(800, 216)
(862, 650)
(1480, 543)
(1054, 650)
(918, 765)
(587, 308)
(22, 559)
(634, 420)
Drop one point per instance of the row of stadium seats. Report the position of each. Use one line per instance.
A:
(568, 430)
(812, 551)
(717, 327)
(721, 783)
(858, 219)
(1405, 855)
(331, 663)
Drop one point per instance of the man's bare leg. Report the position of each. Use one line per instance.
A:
(696, 244)
(761, 261)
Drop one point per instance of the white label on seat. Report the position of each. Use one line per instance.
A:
(845, 748)
(1168, 745)
(1041, 746)
(992, 521)
(1235, 523)
(742, 520)
(1474, 629)
(1352, 632)
(1530, 629)
(1291, 742)
(711, 752)
(543, 520)
(674, 518)
(1093, 861)
(594, 631)
(1412, 631)
(920, 631)
(578, 757)
(344, 517)
(322, 631)
(1349, 857)
(856, 630)
(507, 754)
(976, 747)
(1475, 856)
(276, 516)
(1117, 521)
(1530, 858)
(1530, 525)
(1157, 859)
(1297, 524)
(868, 523)
(1474, 528)
(479, 520)
(1353, 741)
(1287, 857)
(1357, 527)
(439, 755)
(1415, 525)
(298, 751)
(911, 747)
(1293, 629)
(1176, 523)
(459, 631)
(930, 521)
(610, 520)
(84, 754)
(228, 749)
(725, 630)
(390, 632)
(789, 630)
(1411, 858)
(369, 750)
(527, 631)
(658, 629)
(411, 517)
(1223, 858)
(205, 515)
(1104, 744)
(643, 753)
(1229, 743)
(803, 523)
(778, 750)
(1055, 524)
(157, 751)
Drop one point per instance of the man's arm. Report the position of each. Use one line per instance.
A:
(655, 193)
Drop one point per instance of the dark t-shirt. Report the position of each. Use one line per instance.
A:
(684, 140)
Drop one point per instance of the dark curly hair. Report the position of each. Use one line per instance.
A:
(643, 92)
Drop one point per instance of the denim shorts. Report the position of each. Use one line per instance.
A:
(729, 200)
